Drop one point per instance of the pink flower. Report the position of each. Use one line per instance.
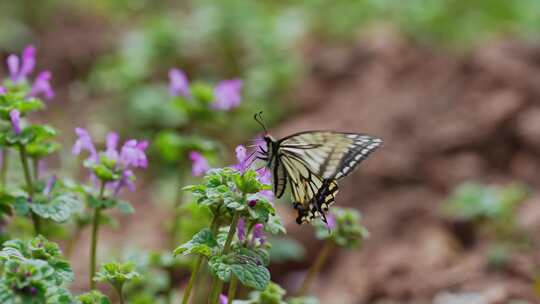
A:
(3, 91)
(242, 158)
(133, 154)
(227, 94)
(178, 83)
(85, 143)
(15, 117)
(125, 181)
(331, 221)
(42, 86)
(199, 163)
(50, 185)
(111, 144)
(223, 299)
(18, 70)
(258, 233)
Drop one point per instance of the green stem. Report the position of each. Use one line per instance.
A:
(120, 294)
(35, 167)
(232, 289)
(176, 215)
(4, 170)
(316, 267)
(200, 259)
(93, 247)
(29, 185)
(217, 285)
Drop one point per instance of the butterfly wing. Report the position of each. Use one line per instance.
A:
(331, 155)
(311, 162)
(312, 194)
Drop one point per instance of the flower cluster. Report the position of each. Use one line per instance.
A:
(226, 94)
(113, 164)
(20, 68)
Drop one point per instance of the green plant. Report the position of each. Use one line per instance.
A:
(117, 275)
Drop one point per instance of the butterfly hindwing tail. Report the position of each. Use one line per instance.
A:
(319, 204)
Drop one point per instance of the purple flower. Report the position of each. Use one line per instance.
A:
(223, 299)
(241, 229)
(15, 117)
(3, 90)
(243, 159)
(84, 142)
(178, 83)
(42, 85)
(125, 181)
(199, 163)
(258, 233)
(252, 203)
(112, 142)
(50, 185)
(227, 94)
(132, 154)
(18, 70)
(331, 221)
(265, 176)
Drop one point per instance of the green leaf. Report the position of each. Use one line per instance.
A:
(304, 300)
(259, 255)
(202, 243)
(59, 209)
(21, 206)
(94, 297)
(125, 207)
(249, 271)
(59, 295)
(202, 93)
(275, 225)
(95, 202)
(117, 274)
(6, 294)
(42, 149)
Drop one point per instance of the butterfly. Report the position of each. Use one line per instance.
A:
(311, 163)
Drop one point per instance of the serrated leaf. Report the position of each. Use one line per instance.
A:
(202, 243)
(219, 268)
(6, 294)
(261, 256)
(96, 202)
(125, 207)
(94, 297)
(59, 209)
(250, 273)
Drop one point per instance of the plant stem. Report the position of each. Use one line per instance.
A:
(176, 212)
(35, 167)
(316, 267)
(29, 185)
(198, 263)
(4, 170)
(120, 294)
(93, 247)
(232, 289)
(217, 285)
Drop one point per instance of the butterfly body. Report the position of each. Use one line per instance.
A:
(311, 163)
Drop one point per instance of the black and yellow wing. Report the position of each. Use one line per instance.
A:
(311, 162)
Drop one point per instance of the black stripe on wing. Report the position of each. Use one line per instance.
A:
(361, 148)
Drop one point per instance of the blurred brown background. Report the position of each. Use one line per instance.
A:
(452, 87)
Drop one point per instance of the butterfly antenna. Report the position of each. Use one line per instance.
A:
(258, 118)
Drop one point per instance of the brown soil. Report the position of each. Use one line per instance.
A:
(445, 118)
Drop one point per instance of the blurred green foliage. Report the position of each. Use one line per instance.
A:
(492, 206)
